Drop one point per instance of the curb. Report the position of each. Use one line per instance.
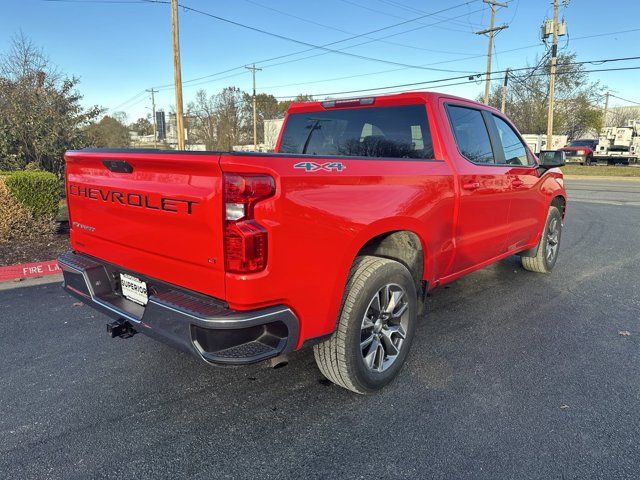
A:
(30, 282)
(29, 270)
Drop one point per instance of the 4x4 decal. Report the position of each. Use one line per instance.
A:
(314, 167)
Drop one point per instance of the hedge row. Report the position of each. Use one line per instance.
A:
(37, 191)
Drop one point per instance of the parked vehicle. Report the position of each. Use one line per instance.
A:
(333, 241)
(619, 145)
(580, 151)
(538, 142)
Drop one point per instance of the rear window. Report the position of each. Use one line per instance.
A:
(392, 132)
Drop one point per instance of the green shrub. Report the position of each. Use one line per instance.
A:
(37, 191)
(17, 224)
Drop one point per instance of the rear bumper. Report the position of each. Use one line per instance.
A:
(186, 320)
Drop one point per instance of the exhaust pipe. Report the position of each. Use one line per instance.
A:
(279, 361)
(120, 328)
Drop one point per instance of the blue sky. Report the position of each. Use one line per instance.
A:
(122, 47)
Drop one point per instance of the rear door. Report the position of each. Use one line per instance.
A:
(527, 201)
(482, 222)
(153, 213)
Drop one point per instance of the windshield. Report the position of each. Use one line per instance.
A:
(395, 132)
(581, 143)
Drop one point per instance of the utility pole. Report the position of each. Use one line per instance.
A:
(552, 75)
(491, 31)
(177, 73)
(504, 91)
(153, 108)
(606, 108)
(255, 118)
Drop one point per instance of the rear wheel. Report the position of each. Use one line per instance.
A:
(548, 245)
(375, 327)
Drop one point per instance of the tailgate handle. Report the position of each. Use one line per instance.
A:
(118, 166)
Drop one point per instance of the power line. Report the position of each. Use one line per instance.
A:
(345, 48)
(128, 101)
(373, 73)
(414, 10)
(314, 46)
(268, 87)
(311, 45)
(387, 14)
(343, 40)
(624, 99)
(424, 67)
(341, 30)
(492, 79)
(479, 75)
(606, 34)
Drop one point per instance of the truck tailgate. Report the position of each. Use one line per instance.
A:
(154, 213)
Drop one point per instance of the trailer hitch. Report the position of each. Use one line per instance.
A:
(120, 328)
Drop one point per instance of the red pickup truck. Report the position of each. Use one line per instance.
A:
(333, 241)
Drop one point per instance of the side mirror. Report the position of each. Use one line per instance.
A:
(551, 159)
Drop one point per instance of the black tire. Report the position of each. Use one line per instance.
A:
(548, 245)
(342, 358)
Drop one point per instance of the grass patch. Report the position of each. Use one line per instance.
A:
(601, 171)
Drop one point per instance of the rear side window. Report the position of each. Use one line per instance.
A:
(515, 153)
(390, 132)
(471, 134)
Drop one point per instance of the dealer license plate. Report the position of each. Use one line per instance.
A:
(134, 289)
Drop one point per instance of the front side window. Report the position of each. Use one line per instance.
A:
(471, 134)
(391, 132)
(515, 153)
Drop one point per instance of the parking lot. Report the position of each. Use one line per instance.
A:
(513, 375)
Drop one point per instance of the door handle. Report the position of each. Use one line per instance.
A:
(517, 182)
(471, 186)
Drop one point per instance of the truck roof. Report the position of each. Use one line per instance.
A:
(398, 99)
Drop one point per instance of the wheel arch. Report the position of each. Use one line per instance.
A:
(560, 202)
(403, 246)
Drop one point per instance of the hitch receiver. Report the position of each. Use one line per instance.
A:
(120, 328)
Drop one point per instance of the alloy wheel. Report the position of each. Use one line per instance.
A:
(384, 327)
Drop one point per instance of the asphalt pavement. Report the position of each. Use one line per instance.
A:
(513, 375)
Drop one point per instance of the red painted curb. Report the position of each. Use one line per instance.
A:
(29, 270)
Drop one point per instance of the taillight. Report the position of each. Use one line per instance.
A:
(245, 240)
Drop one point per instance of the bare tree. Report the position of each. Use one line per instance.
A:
(202, 113)
(266, 107)
(620, 116)
(229, 118)
(577, 99)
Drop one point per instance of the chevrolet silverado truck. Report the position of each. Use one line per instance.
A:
(332, 242)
